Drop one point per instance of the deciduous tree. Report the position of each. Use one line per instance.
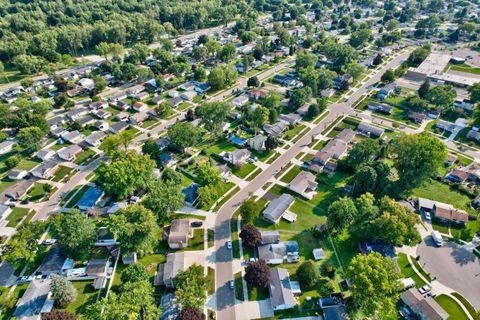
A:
(257, 274)
(308, 274)
(63, 291)
(250, 236)
(190, 285)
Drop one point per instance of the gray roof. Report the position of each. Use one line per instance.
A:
(34, 300)
(276, 251)
(270, 236)
(7, 277)
(280, 288)
(368, 128)
(179, 261)
(53, 261)
(3, 210)
(278, 206)
(179, 231)
(303, 181)
(425, 306)
(19, 190)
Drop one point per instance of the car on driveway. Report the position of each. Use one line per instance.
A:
(231, 284)
(427, 216)
(229, 244)
(425, 289)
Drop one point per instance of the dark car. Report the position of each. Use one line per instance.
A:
(197, 224)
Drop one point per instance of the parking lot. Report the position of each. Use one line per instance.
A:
(453, 266)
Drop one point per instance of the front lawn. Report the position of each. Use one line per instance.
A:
(73, 201)
(26, 164)
(239, 286)
(291, 174)
(407, 270)
(15, 216)
(197, 242)
(451, 306)
(5, 184)
(37, 193)
(289, 134)
(210, 281)
(84, 156)
(244, 170)
(61, 173)
(7, 313)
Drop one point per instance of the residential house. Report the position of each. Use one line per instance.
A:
(335, 148)
(102, 104)
(176, 263)
(278, 208)
(200, 87)
(103, 114)
(75, 91)
(225, 171)
(255, 93)
(7, 274)
(173, 93)
(257, 143)
(118, 126)
(45, 154)
(239, 101)
(73, 137)
(105, 238)
(388, 89)
(142, 96)
(179, 233)
(69, 153)
(188, 95)
(290, 119)
(281, 290)
(417, 116)
(122, 116)
(6, 146)
(237, 157)
(457, 175)
(95, 138)
(445, 125)
(18, 190)
(90, 199)
(270, 236)
(333, 307)
(168, 160)
(140, 106)
(304, 184)
(474, 135)
(4, 213)
(77, 113)
(278, 253)
(157, 100)
(35, 301)
(464, 104)
(134, 90)
(86, 83)
(191, 194)
(56, 122)
(370, 130)
(303, 110)
(116, 97)
(424, 307)
(138, 118)
(175, 102)
(52, 262)
(17, 174)
(122, 105)
(380, 107)
(97, 268)
(85, 121)
(276, 129)
(101, 125)
(328, 93)
(45, 170)
(447, 212)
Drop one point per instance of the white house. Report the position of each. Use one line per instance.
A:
(86, 83)
(45, 154)
(6, 146)
(95, 138)
(239, 101)
(69, 153)
(188, 95)
(140, 106)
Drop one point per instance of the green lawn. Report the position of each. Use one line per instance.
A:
(291, 174)
(464, 68)
(289, 134)
(73, 201)
(84, 156)
(197, 242)
(452, 307)
(210, 281)
(61, 173)
(151, 262)
(244, 170)
(86, 295)
(15, 216)
(16, 294)
(219, 147)
(226, 198)
(5, 184)
(37, 193)
(257, 294)
(420, 269)
(239, 286)
(149, 123)
(467, 305)
(26, 164)
(407, 270)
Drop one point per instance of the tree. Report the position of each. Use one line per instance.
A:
(191, 314)
(341, 213)
(417, 104)
(125, 174)
(28, 139)
(374, 285)
(325, 78)
(184, 135)
(259, 117)
(362, 153)
(424, 89)
(227, 52)
(172, 176)
(200, 74)
(308, 274)
(253, 82)
(207, 194)
(164, 198)
(442, 96)
(191, 285)
(12, 162)
(313, 110)
(299, 97)
(213, 114)
(418, 55)
(474, 92)
(136, 227)
(59, 315)
(360, 37)
(63, 291)
(354, 70)
(250, 210)
(75, 233)
(305, 60)
(365, 180)
(100, 83)
(250, 236)
(258, 53)
(222, 77)
(24, 243)
(271, 143)
(257, 274)
(418, 156)
(208, 174)
(134, 273)
(200, 53)
(151, 148)
(388, 76)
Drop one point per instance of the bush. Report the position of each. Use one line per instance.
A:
(12, 162)
(308, 274)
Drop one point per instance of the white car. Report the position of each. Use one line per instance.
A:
(427, 216)
(426, 288)
(229, 244)
(232, 284)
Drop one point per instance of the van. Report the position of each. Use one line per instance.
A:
(437, 238)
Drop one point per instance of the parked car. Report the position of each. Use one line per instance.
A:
(49, 241)
(437, 238)
(232, 284)
(425, 289)
(197, 224)
(427, 216)
(229, 244)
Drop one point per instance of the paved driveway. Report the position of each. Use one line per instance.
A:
(453, 266)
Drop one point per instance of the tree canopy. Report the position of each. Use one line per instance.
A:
(190, 287)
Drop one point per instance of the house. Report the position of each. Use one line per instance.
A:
(380, 107)
(168, 160)
(76, 113)
(304, 184)
(134, 90)
(45, 170)
(276, 129)
(278, 253)
(474, 135)
(138, 118)
(118, 126)
(4, 212)
(102, 104)
(7, 274)
(388, 89)
(333, 307)
(6, 146)
(278, 208)
(281, 290)
(45, 154)
(200, 87)
(458, 176)
(17, 174)
(335, 148)
(140, 106)
(417, 116)
(370, 130)
(255, 93)
(73, 137)
(95, 138)
(122, 116)
(424, 307)
(225, 171)
(103, 114)
(101, 125)
(257, 143)
(19, 190)
(179, 233)
(290, 119)
(56, 122)
(90, 199)
(35, 301)
(122, 105)
(157, 100)
(239, 101)
(385, 249)
(447, 212)
(175, 102)
(465, 104)
(191, 194)
(270, 236)
(451, 159)
(328, 93)
(116, 97)
(303, 110)
(178, 262)
(86, 83)
(115, 206)
(69, 153)
(188, 95)
(142, 96)
(173, 93)
(445, 125)
(52, 262)
(237, 157)
(97, 267)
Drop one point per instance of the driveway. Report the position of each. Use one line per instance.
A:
(453, 266)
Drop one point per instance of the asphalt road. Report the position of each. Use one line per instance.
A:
(453, 266)
(224, 266)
